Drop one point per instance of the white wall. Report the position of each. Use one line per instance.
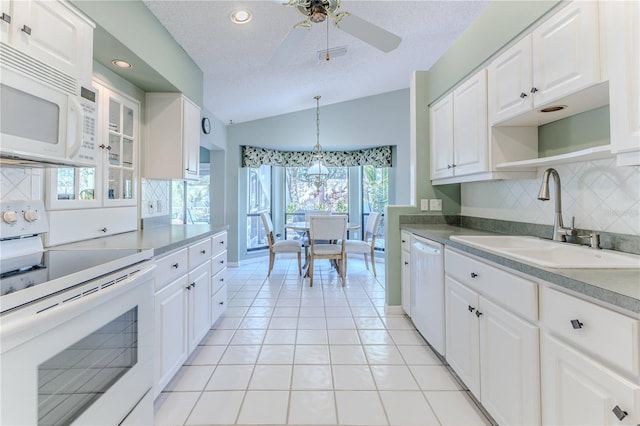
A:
(599, 194)
(367, 122)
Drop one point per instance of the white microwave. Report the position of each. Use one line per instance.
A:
(41, 124)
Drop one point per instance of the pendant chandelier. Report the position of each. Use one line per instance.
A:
(317, 172)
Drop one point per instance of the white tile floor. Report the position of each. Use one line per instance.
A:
(288, 354)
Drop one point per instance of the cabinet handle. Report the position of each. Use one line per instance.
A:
(6, 18)
(576, 324)
(193, 284)
(221, 243)
(474, 275)
(449, 166)
(534, 90)
(189, 287)
(471, 308)
(103, 146)
(222, 262)
(221, 303)
(109, 148)
(104, 229)
(221, 279)
(619, 412)
(26, 29)
(403, 241)
(203, 251)
(175, 265)
(406, 263)
(478, 313)
(523, 95)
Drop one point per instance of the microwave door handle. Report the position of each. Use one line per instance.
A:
(76, 108)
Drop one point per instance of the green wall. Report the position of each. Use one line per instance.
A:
(497, 26)
(581, 131)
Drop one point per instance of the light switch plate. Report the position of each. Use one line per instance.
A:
(424, 204)
(435, 204)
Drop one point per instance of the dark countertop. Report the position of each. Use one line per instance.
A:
(616, 287)
(162, 239)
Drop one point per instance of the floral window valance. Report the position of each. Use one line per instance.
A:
(255, 157)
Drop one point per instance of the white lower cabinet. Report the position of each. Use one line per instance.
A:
(405, 272)
(577, 390)
(492, 350)
(199, 304)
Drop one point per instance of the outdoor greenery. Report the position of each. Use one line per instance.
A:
(301, 194)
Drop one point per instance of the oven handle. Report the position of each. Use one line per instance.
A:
(17, 329)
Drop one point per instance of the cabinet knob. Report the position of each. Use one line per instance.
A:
(203, 251)
(523, 95)
(449, 166)
(109, 148)
(222, 262)
(26, 29)
(104, 229)
(471, 308)
(189, 287)
(175, 265)
(406, 263)
(6, 18)
(221, 279)
(474, 275)
(619, 412)
(404, 241)
(478, 313)
(534, 90)
(193, 284)
(576, 324)
(221, 243)
(221, 303)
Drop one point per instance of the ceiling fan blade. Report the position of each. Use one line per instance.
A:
(289, 44)
(367, 32)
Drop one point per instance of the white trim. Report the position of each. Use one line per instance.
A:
(393, 310)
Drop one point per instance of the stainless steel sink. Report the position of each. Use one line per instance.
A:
(551, 254)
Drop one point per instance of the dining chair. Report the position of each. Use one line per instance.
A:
(279, 246)
(366, 246)
(327, 228)
(307, 216)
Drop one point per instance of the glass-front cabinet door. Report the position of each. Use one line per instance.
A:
(114, 181)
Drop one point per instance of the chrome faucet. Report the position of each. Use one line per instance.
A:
(560, 232)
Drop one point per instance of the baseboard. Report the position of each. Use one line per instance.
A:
(393, 310)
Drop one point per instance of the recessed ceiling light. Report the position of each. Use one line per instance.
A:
(121, 63)
(241, 16)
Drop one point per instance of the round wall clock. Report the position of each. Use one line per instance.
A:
(206, 126)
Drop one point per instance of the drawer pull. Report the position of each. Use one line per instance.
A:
(619, 412)
(478, 313)
(474, 275)
(523, 95)
(175, 265)
(203, 251)
(471, 308)
(6, 18)
(576, 324)
(26, 29)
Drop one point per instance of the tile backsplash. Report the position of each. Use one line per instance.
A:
(601, 196)
(155, 198)
(21, 183)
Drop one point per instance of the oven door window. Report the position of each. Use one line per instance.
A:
(69, 382)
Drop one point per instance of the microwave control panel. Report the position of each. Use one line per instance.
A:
(89, 102)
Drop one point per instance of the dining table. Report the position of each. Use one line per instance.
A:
(304, 227)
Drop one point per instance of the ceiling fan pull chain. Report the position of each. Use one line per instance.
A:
(327, 57)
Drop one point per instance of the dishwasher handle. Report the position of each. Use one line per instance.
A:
(427, 249)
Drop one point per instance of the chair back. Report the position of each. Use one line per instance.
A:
(268, 227)
(328, 227)
(309, 213)
(371, 228)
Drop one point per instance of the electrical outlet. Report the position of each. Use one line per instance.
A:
(151, 207)
(435, 204)
(424, 204)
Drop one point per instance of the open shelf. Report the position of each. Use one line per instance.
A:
(589, 154)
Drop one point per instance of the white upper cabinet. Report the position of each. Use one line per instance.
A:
(458, 125)
(621, 24)
(555, 62)
(173, 137)
(51, 32)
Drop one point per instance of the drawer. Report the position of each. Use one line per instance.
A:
(171, 267)
(218, 304)
(405, 241)
(199, 253)
(218, 281)
(219, 243)
(517, 294)
(218, 263)
(607, 334)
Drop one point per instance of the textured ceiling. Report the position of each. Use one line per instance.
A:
(241, 85)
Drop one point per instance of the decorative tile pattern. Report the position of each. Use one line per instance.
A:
(155, 193)
(601, 196)
(21, 183)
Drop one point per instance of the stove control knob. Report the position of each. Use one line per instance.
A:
(31, 215)
(10, 217)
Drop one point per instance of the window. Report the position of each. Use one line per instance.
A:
(375, 197)
(259, 199)
(190, 200)
(301, 195)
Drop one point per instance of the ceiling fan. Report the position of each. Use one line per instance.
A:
(317, 11)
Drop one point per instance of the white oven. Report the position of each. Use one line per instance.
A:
(76, 336)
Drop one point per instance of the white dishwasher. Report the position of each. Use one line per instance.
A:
(427, 291)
